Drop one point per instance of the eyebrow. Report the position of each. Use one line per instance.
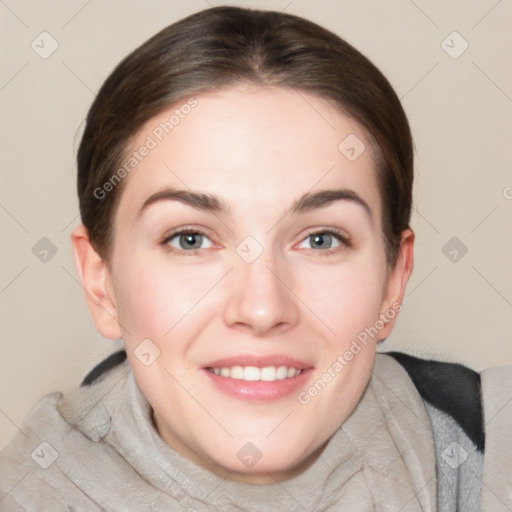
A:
(215, 204)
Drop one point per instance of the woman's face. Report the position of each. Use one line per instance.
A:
(249, 277)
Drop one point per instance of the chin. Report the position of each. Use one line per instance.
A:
(254, 460)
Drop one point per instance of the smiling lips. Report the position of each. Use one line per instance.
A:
(258, 378)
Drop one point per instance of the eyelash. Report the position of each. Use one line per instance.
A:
(345, 241)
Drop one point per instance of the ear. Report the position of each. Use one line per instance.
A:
(397, 280)
(96, 281)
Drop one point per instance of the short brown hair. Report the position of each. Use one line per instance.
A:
(224, 46)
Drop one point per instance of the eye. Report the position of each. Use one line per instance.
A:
(187, 240)
(325, 241)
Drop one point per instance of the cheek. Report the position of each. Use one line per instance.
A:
(346, 298)
(155, 300)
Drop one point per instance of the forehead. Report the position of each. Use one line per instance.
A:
(256, 147)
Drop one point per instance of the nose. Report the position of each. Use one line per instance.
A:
(261, 300)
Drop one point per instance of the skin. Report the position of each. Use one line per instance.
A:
(260, 149)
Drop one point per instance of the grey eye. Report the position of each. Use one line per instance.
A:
(189, 241)
(321, 240)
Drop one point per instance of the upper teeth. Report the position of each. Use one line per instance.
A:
(251, 373)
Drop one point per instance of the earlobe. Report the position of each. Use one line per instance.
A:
(397, 282)
(95, 279)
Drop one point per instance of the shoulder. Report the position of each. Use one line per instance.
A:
(58, 438)
(451, 388)
(452, 395)
(497, 399)
(29, 458)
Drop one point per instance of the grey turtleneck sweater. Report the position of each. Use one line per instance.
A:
(97, 449)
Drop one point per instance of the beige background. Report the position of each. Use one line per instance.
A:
(460, 110)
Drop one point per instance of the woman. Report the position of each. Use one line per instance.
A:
(245, 182)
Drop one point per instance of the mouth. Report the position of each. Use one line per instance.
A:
(258, 379)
